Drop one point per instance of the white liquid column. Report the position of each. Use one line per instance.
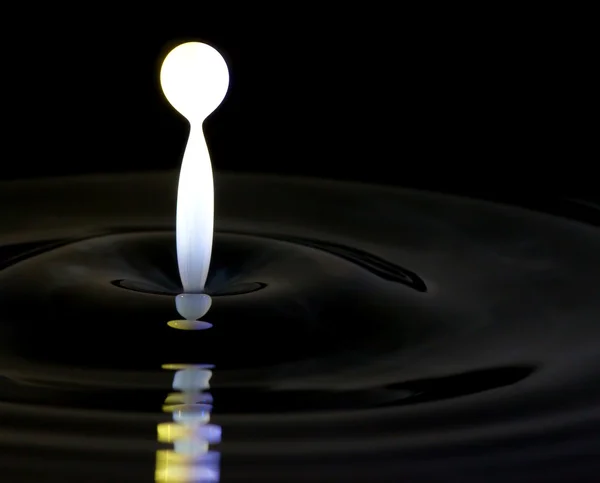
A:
(194, 78)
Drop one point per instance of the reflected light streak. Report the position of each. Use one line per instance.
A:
(189, 324)
(190, 433)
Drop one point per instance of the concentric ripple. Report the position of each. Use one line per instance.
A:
(359, 333)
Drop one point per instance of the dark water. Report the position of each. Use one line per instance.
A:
(359, 334)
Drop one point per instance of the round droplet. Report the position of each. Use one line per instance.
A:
(194, 78)
(192, 306)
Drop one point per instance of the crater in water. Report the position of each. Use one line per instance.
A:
(416, 334)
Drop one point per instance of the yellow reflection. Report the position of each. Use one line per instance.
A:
(172, 467)
(176, 399)
(177, 367)
(169, 432)
(190, 433)
(189, 324)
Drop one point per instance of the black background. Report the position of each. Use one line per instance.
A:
(488, 103)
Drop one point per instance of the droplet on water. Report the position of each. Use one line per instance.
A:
(192, 306)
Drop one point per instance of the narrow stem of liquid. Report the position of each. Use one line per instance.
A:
(195, 213)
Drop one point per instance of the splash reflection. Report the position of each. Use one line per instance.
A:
(190, 432)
